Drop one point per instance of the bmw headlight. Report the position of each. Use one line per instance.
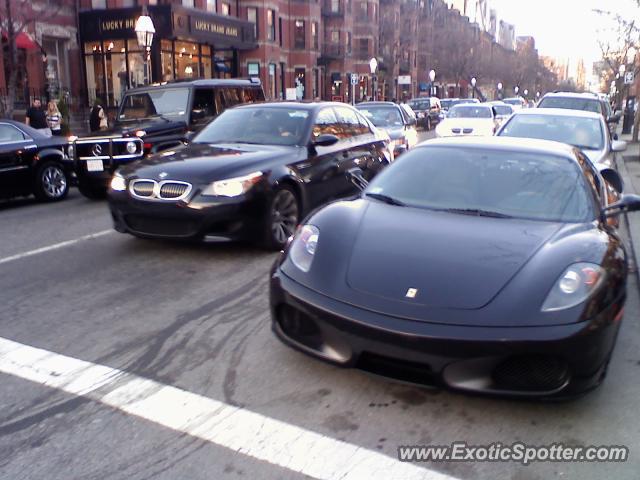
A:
(574, 286)
(118, 183)
(303, 248)
(232, 187)
(131, 147)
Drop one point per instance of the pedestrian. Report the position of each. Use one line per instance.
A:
(37, 118)
(54, 118)
(98, 117)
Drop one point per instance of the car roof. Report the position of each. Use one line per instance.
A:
(376, 104)
(305, 105)
(582, 95)
(212, 82)
(560, 112)
(530, 145)
(473, 104)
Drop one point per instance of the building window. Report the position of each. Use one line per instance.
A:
(299, 40)
(335, 36)
(226, 9)
(253, 69)
(187, 3)
(57, 66)
(314, 34)
(98, 3)
(280, 30)
(252, 16)
(335, 6)
(211, 6)
(348, 42)
(364, 7)
(272, 80)
(271, 25)
(364, 46)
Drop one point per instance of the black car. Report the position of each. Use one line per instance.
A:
(251, 174)
(32, 163)
(155, 118)
(396, 120)
(428, 111)
(485, 265)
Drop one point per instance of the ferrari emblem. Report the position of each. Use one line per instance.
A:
(411, 293)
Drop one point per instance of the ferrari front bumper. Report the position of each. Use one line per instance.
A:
(550, 361)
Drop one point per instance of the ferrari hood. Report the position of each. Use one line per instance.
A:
(463, 264)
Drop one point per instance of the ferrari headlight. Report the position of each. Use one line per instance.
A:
(303, 248)
(118, 183)
(574, 286)
(232, 187)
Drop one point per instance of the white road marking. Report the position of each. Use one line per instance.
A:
(240, 430)
(55, 246)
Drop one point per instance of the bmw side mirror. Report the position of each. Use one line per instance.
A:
(613, 178)
(325, 140)
(188, 136)
(627, 203)
(618, 146)
(356, 177)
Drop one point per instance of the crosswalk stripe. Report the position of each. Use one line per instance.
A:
(243, 431)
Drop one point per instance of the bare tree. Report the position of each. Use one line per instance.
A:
(617, 44)
(16, 16)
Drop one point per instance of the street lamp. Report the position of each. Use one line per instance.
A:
(499, 90)
(373, 66)
(145, 31)
(526, 92)
(432, 77)
(516, 89)
(473, 87)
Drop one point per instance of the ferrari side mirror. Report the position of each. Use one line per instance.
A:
(628, 203)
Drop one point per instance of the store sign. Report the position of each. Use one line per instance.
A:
(404, 80)
(214, 27)
(118, 24)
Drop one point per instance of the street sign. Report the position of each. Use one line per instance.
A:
(404, 80)
(354, 79)
(629, 77)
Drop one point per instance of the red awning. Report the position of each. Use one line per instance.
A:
(23, 40)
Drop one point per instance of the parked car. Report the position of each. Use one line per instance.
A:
(251, 174)
(584, 130)
(32, 163)
(427, 111)
(468, 119)
(502, 111)
(590, 102)
(155, 118)
(501, 275)
(393, 119)
(516, 102)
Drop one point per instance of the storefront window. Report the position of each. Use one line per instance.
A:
(300, 78)
(115, 71)
(57, 65)
(187, 60)
(166, 58)
(136, 64)
(207, 67)
(272, 80)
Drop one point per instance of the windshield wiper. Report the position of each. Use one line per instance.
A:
(386, 199)
(477, 212)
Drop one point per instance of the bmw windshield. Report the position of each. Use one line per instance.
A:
(257, 125)
(497, 183)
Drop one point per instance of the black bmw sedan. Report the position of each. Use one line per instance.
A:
(250, 174)
(32, 163)
(483, 265)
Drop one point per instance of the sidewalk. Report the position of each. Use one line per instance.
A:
(629, 168)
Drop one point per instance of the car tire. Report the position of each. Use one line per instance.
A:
(282, 218)
(52, 182)
(92, 193)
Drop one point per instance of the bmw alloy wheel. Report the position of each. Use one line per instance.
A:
(284, 216)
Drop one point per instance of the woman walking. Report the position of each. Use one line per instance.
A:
(54, 118)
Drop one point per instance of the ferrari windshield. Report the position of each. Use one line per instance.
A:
(167, 102)
(509, 183)
(382, 116)
(469, 111)
(584, 133)
(257, 125)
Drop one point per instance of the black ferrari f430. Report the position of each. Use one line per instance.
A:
(482, 265)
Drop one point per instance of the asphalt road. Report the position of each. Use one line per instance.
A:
(196, 317)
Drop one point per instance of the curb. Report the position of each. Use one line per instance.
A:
(629, 187)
